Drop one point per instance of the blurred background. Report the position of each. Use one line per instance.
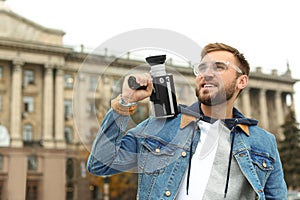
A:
(56, 86)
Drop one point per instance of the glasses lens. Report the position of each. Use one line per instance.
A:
(202, 68)
(217, 67)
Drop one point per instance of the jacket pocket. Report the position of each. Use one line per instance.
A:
(155, 156)
(264, 165)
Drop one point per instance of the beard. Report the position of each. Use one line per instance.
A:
(220, 97)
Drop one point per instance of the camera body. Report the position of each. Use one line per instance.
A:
(163, 96)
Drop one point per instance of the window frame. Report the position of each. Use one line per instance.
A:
(32, 163)
(68, 108)
(27, 133)
(28, 102)
(29, 77)
(69, 135)
(68, 80)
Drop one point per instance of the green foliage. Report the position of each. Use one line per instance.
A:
(289, 149)
(123, 186)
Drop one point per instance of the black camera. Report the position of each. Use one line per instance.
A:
(163, 95)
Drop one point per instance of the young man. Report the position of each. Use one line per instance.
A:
(208, 151)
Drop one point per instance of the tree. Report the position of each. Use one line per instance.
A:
(122, 186)
(289, 149)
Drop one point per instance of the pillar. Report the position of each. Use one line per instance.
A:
(16, 105)
(263, 109)
(292, 101)
(279, 108)
(59, 109)
(48, 107)
(54, 176)
(246, 102)
(16, 182)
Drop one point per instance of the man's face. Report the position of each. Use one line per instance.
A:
(213, 88)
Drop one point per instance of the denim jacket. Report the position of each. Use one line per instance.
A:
(160, 150)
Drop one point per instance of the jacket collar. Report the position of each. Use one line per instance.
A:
(193, 113)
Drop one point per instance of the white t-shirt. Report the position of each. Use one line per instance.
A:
(202, 161)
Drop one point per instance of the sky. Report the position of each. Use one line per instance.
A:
(266, 31)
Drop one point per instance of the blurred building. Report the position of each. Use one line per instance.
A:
(268, 98)
(53, 97)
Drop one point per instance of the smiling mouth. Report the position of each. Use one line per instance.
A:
(207, 85)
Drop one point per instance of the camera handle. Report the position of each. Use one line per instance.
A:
(134, 85)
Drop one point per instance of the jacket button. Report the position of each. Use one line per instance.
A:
(183, 154)
(157, 150)
(264, 164)
(168, 193)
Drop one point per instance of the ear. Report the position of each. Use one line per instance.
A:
(242, 82)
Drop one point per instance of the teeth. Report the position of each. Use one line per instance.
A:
(208, 85)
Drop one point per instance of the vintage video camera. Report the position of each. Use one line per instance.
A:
(163, 95)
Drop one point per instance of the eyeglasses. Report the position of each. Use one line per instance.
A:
(218, 67)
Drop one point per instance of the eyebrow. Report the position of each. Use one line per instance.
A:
(221, 62)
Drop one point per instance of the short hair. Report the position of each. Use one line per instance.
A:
(244, 65)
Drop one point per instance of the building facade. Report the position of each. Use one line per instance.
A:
(53, 98)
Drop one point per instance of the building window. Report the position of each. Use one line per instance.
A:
(69, 135)
(28, 77)
(68, 109)
(27, 133)
(92, 109)
(70, 170)
(93, 83)
(68, 80)
(32, 163)
(70, 191)
(32, 190)
(28, 104)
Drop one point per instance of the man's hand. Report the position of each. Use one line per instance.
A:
(130, 95)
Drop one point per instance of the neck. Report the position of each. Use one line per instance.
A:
(221, 111)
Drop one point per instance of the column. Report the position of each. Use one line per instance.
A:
(263, 109)
(16, 181)
(246, 102)
(292, 101)
(279, 108)
(59, 109)
(48, 107)
(54, 180)
(16, 105)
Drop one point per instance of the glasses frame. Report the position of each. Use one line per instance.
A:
(226, 63)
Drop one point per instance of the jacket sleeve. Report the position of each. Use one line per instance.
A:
(275, 187)
(113, 150)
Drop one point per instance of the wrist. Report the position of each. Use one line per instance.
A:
(124, 102)
(121, 109)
